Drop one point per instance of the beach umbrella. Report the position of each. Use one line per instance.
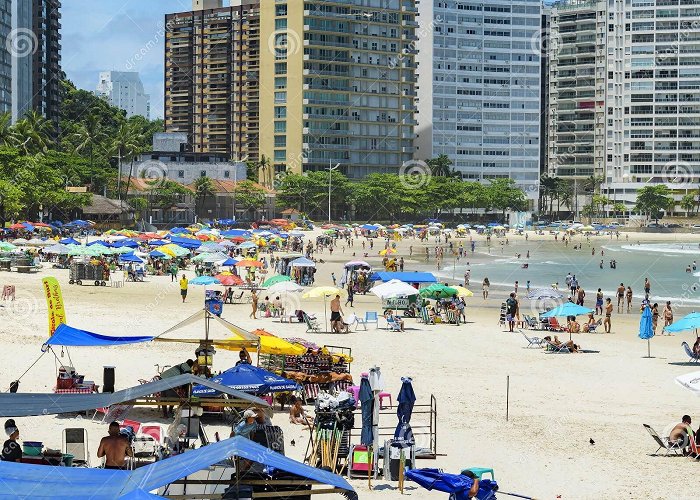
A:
(302, 262)
(388, 251)
(229, 262)
(275, 279)
(567, 309)
(690, 381)
(646, 328)
(323, 291)
(229, 279)
(20, 241)
(405, 400)
(250, 379)
(366, 400)
(462, 292)
(458, 485)
(205, 280)
(269, 344)
(131, 258)
(57, 249)
(357, 263)
(156, 254)
(246, 245)
(69, 241)
(438, 291)
(285, 286)
(174, 250)
(211, 247)
(544, 294)
(7, 247)
(688, 322)
(249, 263)
(393, 288)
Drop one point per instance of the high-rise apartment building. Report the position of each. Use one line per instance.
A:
(340, 80)
(211, 78)
(36, 62)
(124, 90)
(479, 88)
(5, 56)
(337, 79)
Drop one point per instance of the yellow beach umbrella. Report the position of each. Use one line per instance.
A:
(322, 291)
(270, 344)
(462, 292)
(388, 251)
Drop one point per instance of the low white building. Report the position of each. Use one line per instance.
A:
(124, 90)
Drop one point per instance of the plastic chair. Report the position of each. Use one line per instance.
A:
(355, 391)
(383, 395)
(480, 471)
(372, 317)
(75, 442)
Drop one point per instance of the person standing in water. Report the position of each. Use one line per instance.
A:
(620, 297)
(628, 296)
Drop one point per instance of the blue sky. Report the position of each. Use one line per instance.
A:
(118, 35)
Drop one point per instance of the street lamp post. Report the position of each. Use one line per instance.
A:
(330, 176)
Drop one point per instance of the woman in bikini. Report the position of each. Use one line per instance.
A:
(608, 314)
(628, 295)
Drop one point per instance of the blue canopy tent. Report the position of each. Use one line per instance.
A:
(232, 233)
(68, 336)
(179, 230)
(188, 243)
(369, 227)
(77, 483)
(646, 328)
(406, 277)
(69, 241)
(688, 322)
(250, 379)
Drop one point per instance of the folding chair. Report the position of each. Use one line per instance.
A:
(371, 317)
(559, 349)
(425, 316)
(532, 341)
(693, 357)
(392, 325)
(311, 324)
(664, 444)
(75, 442)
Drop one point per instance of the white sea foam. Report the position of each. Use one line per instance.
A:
(665, 248)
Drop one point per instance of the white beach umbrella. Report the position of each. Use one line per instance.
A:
(690, 381)
(285, 286)
(393, 288)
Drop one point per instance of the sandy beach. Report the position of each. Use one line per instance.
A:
(558, 402)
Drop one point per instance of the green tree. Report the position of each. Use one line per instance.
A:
(619, 208)
(88, 135)
(126, 145)
(377, 197)
(652, 200)
(441, 166)
(689, 204)
(252, 170)
(140, 205)
(165, 194)
(203, 189)
(249, 196)
(503, 195)
(5, 129)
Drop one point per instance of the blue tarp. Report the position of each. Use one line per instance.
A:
(457, 485)
(77, 483)
(99, 242)
(229, 262)
(126, 243)
(369, 227)
(250, 379)
(406, 277)
(68, 336)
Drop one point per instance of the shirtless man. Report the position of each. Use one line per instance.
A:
(620, 297)
(647, 287)
(608, 314)
(679, 434)
(114, 448)
(336, 315)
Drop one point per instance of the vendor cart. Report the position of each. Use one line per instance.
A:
(86, 271)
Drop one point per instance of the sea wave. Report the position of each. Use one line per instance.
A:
(671, 249)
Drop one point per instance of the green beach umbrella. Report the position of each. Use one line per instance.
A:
(6, 247)
(438, 291)
(275, 279)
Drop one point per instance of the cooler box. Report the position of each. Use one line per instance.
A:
(360, 463)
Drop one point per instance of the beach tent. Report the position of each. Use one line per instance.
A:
(57, 249)
(155, 254)
(302, 262)
(33, 404)
(688, 322)
(69, 241)
(406, 277)
(393, 288)
(229, 262)
(80, 483)
(247, 378)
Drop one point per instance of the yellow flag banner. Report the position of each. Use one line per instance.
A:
(54, 303)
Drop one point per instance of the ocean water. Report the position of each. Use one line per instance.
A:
(663, 263)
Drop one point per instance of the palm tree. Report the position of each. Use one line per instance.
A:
(5, 129)
(203, 188)
(125, 146)
(265, 168)
(88, 134)
(30, 134)
(441, 166)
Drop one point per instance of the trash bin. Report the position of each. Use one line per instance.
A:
(108, 379)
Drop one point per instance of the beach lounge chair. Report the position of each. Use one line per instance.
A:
(555, 326)
(75, 442)
(693, 357)
(532, 341)
(558, 349)
(425, 316)
(311, 324)
(531, 322)
(392, 325)
(452, 317)
(664, 444)
(371, 317)
(592, 328)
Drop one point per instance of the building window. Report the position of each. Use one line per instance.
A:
(281, 10)
(280, 141)
(181, 174)
(280, 82)
(280, 126)
(202, 173)
(280, 155)
(227, 174)
(280, 97)
(280, 68)
(280, 24)
(280, 112)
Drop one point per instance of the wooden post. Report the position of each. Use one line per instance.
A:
(507, 396)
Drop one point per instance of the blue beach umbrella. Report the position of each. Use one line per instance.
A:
(69, 241)
(567, 309)
(229, 262)
(366, 398)
(130, 257)
(688, 322)
(646, 328)
(250, 379)
(205, 280)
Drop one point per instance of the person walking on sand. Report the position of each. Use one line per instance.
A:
(351, 295)
(485, 288)
(628, 296)
(668, 314)
(608, 314)
(184, 283)
(620, 297)
(254, 304)
(599, 302)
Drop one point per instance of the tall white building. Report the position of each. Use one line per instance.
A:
(625, 94)
(124, 90)
(479, 88)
